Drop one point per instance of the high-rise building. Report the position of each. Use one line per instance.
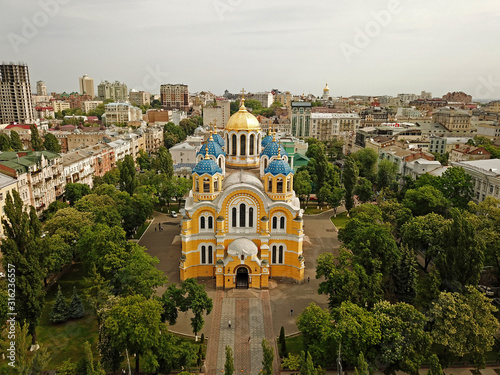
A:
(41, 88)
(87, 86)
(139, 97)
(175, 96)
(115, 91)
(16, 104)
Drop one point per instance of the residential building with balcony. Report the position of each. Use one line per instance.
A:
(121, 113)
(175, 96)
(468, 153)
(78, 167)
(7, 186)
(485, 177)
(301, 119)
(153, 137)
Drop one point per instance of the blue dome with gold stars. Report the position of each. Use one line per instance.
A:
(267, 139)
(214, 148)
(278, 166)
(272, 149)
(207, 166)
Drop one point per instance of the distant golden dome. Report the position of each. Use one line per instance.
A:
(243, 120)
(326, 88)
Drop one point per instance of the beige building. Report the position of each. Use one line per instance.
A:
(39, 176)
(41, 88)
(326, 126)
(156, 116)
(16, 104)
(485, 177)
(453, 120)
(153, 137)
(284, 98)
(139, 97)
(491, 131)
(87, 85)
(60, 105)
(217, 114)
(265, 98)
(175, 96)
(467, 153)
(115, 91)
(78, 167)
(90, 105)
(493, 107)
(7, 185)
(121, 113)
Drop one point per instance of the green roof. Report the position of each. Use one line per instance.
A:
(15, 166)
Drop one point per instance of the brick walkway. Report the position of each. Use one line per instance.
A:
(251, 321)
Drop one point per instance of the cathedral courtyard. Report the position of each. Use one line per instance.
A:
(254, 314)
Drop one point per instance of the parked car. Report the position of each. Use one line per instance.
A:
(489, 292)
(173, 214)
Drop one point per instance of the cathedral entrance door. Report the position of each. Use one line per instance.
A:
(242, 278)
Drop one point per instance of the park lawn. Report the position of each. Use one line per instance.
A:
(294, 344)
(142, 229)
(312, 211)
(65, 341)
(341, 220)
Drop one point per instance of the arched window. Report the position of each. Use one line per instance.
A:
(216, 184)
(211, 222)
(279, 185)
(275, 222)
(270, 185)
(242, 215)
(220, 162)
(206, 185)
(252, 142)
(203, 255)
(282, 222)
(288, 184)
(250, 217)
(280, 260)
(265, 163)
(202, 222)
(233, 144)
(196, 184)
(234, 217)
(273, 259)
(210, 255)
(243, 145)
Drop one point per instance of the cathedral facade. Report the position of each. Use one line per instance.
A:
(242, 222)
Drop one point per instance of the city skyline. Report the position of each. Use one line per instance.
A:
(380, 48)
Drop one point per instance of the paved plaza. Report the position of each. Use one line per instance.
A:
(254, 314)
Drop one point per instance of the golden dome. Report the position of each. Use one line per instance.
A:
(243, 120)
(326, 88)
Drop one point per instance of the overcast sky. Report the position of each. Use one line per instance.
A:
(368, 48)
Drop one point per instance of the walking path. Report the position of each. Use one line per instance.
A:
(250, 314)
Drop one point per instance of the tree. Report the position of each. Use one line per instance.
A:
(134, 323)
(464, 324)
(457, 187)
(97, 292)
(428, 290)
(68, 367)
(315, 325)
(139, 274)
(395, 214)
(128, 181)
(103, 208)
(86, 364)
(282, 343)
(229, 364)
(302, 185)
(60, 310)
(292, 362)
(36, 141)
(76, 308)
(23, 249)
(323, 194)
(336, 198)
(143, 160)
(350, 178)
(306, 364)
(362, 366)
(404, 342)
(386, 174)
(405, 276)
(5, 142)
(50, 143)
(163, 162)
(73, 192)
(24, 362)
(15, 141)
(356, 329)
(366, 159)
(182, 186)
(68, 223)
(364, 190)
(425, 234)
(424, 200)
(268, 358)
(462, 257)
(435, 366)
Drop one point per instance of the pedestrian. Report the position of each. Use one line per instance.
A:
(308, 279)
(249, 338)
(229, 324)
(155, 229)
(159, 225)
(291, 311)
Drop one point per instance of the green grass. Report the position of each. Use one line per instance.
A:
(142, 229)
(294, 344)
(341, 220)
(312, 211)
(65, 341)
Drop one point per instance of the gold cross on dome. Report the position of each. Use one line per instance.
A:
(242, 93)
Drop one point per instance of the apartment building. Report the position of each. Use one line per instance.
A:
(468, 153)
(453, 120)
(39, 176)
(485, 177)
(78, 167)
(121, 113)
(41, 88)
(326, 126)
(175, 96)
(153, 138)
(60, 105)
(301, 119)
(265, 98)
(139, 97)
(16, 104)
(217, 114)
(87, 86)
(7, 186)
(90, 105)
(115, 91)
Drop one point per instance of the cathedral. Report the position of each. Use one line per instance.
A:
(242, 222)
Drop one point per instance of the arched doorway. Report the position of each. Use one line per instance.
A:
(242, 278)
